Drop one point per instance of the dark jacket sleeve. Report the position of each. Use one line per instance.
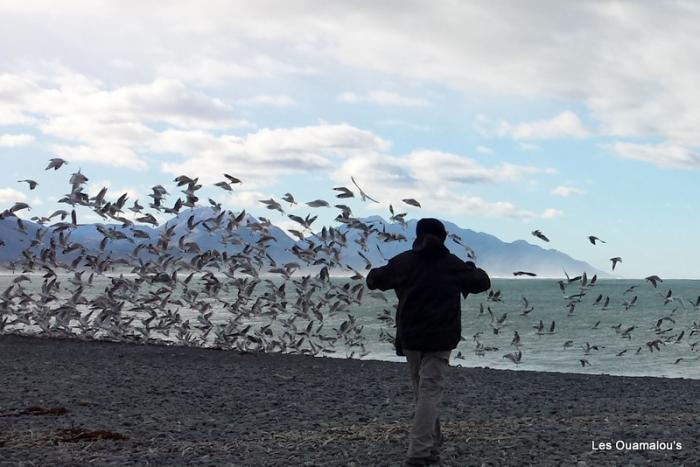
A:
(474, 280)
(382, 278)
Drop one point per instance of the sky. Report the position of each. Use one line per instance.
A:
(574, 118)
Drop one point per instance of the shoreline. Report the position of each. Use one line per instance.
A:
(454, 363)
(193, 406)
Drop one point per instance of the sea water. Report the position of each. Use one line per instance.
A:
(587, 325)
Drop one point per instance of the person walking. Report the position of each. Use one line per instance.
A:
(429, 282)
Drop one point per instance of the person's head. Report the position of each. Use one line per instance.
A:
(430, 226)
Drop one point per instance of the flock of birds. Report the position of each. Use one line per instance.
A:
(169, 288)
(149, 294)
(664, 328)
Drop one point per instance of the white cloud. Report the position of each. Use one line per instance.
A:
(281, 100)
(459, 204)
(528, 146)
(247, 199)
(112, 126)
(116, 156)
(566, 191)
(10, 195)
(619, 59)
(208, 71)
(403, 124)
(265, 154)
(383, 98)
(666, 156)
(11, 141)
(565, 125)
(484, 150)
(437, 180)
(441, 166)
(59, 91)
(551, 213)
(431, 168)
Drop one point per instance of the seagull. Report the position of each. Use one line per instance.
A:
(514, 357)
(629, 303)
(516, 340)
(272, 204)
(668, 298)
(653, 279)
(496, 324)
(288, 197)
(364, 195)
(524, 273)
(526, 307)
(540, 235)
(318, 203)
(588, 347)
(56, 163)
(539, 327)
(626, 333)
(594, 239)
(411, 202)
(343, 192)
(494, 296)
(696, 303)
(32, 184)
(232, 179)
(225, 185)
(615, 260)
(18, 206)
(655, 345)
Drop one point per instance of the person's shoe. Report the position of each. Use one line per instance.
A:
(432, 459)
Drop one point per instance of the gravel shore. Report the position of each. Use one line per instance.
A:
(67, 402)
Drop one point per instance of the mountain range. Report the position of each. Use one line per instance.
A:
(498, 258)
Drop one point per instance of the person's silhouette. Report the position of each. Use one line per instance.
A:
(428, 281)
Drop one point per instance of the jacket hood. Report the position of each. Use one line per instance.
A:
(429, 245)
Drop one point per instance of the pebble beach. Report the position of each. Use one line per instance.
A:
(71, 402)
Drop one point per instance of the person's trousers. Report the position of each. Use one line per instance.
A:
(428, 370)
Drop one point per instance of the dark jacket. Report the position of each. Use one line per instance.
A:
(428, 281)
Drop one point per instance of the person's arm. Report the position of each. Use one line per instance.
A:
(382, 278)
(474, 280)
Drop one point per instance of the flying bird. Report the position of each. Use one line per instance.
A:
(318, 203)
(343, 192)
(411, 202)
(288, 197)
(56, 163)
(32, 184)
(594, 239)
(514, 357)
(232, 179)
(653, 279)
(225, 185)
(615, 260)
(272, 205)
(540, 235)
(364, 195)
